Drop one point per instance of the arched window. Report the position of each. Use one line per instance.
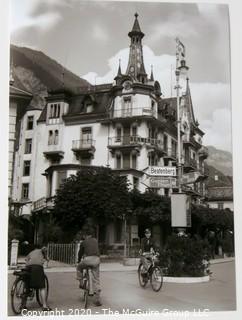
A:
(50, 138)
(56, 137)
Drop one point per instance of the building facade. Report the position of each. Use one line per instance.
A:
(125, 125)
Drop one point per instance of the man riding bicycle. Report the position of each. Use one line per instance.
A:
(147, 249)
(89, 256)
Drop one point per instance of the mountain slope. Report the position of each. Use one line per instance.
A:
(221, 160)
(38, 73)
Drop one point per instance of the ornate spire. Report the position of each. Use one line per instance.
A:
(11, 77)
(136, 68)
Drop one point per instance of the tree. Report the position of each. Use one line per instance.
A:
(95, 194)
(151, 206)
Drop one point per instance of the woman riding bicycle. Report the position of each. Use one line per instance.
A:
(36, 279)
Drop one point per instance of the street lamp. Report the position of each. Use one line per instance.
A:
(181, 69)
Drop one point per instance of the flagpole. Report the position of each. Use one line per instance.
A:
(177, 87)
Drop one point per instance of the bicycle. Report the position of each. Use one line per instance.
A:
(87, 285)
(154, 274)
(21, 293)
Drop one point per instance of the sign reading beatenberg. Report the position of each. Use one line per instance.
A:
(161, 171)
(180, 210)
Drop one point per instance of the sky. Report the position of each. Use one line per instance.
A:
(89, 38)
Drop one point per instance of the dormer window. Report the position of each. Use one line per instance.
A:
(54, 110)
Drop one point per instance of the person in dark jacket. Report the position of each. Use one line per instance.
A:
(89, 256)
(147, 249)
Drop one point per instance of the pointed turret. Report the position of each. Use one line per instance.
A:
(119, 68)
(136, 68)
(11, 77)
(151, 74)
(136, 28)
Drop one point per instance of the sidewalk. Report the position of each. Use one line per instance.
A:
(56, 266)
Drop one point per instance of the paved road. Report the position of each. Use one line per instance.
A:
(121, 291)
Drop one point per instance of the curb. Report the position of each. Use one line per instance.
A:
(186, 279)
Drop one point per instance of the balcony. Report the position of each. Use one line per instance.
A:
(134, 142)
(83, 148)
(190, 164)
(53, 153)
(170, 153)
(43, 203)
(203, 153)
(132, 112)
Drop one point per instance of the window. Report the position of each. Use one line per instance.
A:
(25, 191)
(56, 137)
(220, 205)
(126, 161)
(28, 145)
(118, 161)
(86, 135)
(165, 142)
(53, 137)
(134, 131)
(166, 192)
(61, 177)
(134, 161)
(50, 138)
(118, 134)
(30, 122)
(153, 160)
(55, 110)
(127, 111)
(26, 171)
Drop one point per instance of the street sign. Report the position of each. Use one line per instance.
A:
(162, 182)
(180, 210)
(160, 171)
(190, 177)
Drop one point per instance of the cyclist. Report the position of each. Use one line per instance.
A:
(89, 256)
(146, 250)
(36, 279)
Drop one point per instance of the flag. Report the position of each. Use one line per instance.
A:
(180, 48)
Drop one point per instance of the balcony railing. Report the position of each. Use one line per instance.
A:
(53, 148)
(203, 152)
(39, 204)
(83, 144)
(134, 140)
(170, 153)
(192, 163)
(53, 152)
(42, 203)
(132, 112)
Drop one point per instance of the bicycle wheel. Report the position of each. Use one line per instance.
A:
(38, 296)
(85, 287)
(156, 278)
(17, 295)
(143, 276)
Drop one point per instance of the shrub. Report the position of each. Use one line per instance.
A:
(185, 256)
